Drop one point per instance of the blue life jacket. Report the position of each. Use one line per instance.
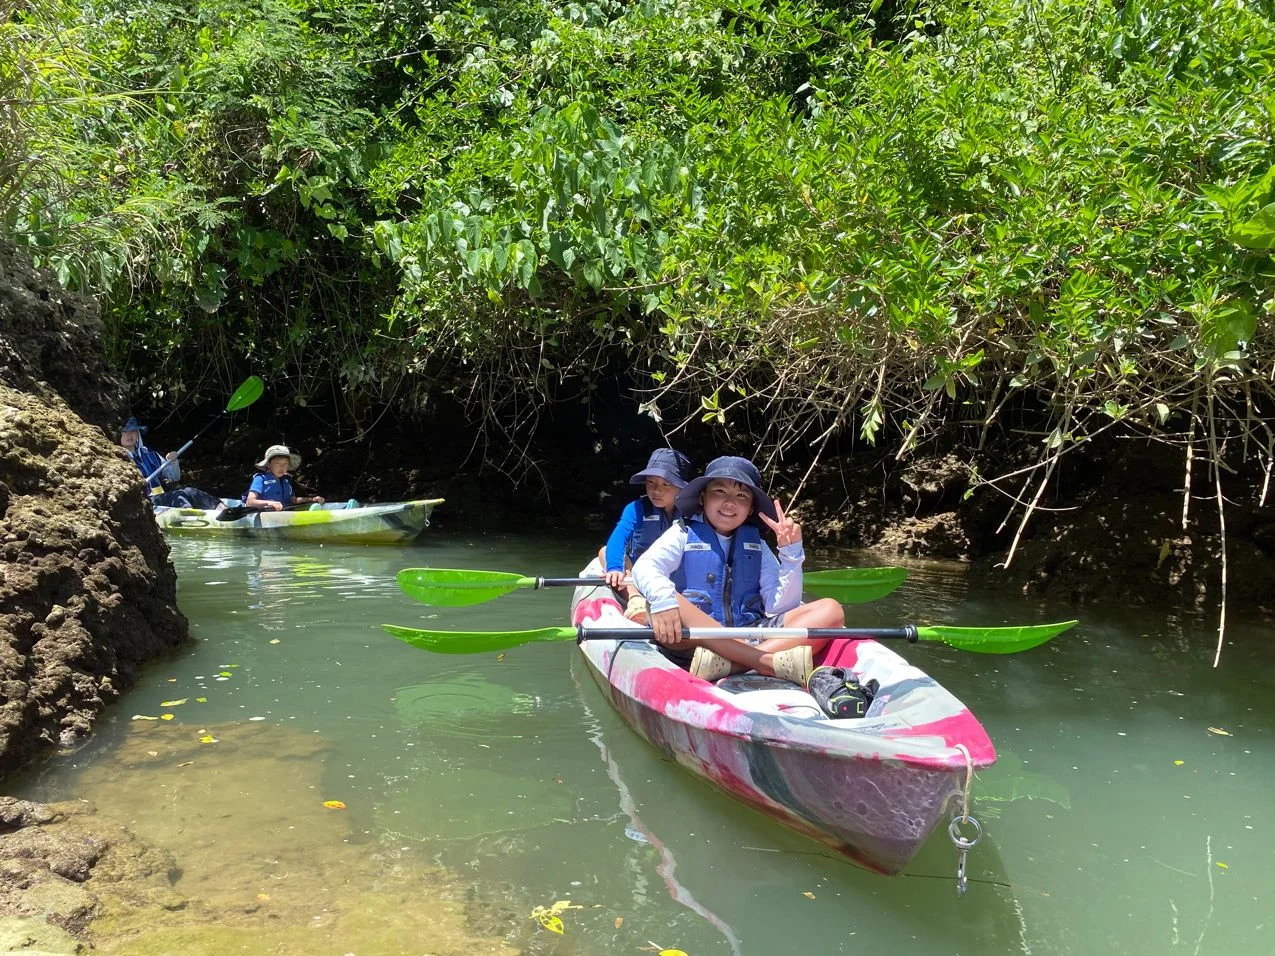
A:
(653, 524)
(726, 587)
(270, 488)
(148, 461)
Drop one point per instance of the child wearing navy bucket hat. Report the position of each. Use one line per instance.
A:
(643, 521)
(713, 569)
(165, 471)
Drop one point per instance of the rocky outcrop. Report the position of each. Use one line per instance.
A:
(87, 591)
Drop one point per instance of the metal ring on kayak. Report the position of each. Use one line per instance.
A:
(963, 844)
(954, 831)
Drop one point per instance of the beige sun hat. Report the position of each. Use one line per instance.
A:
(280, 451)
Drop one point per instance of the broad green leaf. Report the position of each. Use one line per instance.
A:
(1258, 232)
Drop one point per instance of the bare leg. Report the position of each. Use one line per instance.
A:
(824, 612)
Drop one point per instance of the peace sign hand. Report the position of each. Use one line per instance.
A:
(786, 530)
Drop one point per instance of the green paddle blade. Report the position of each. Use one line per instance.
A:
(476, 642)
(246, 394)
(993, 640)
(853, 585)
(449, 587)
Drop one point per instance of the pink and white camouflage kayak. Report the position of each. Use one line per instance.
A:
(872, 789)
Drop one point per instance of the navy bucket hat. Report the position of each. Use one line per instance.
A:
(132, 426)
(672, 466)
(735, 469)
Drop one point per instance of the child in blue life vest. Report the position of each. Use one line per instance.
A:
(644, 520)
(147, 460)
(271, 488)
(713, 569)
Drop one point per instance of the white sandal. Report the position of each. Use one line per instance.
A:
(637, 609)
(794, 664)
(709, 664)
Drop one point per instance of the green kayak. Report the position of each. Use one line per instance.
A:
(395, 522)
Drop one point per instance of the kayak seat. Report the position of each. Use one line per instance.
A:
(743, 683)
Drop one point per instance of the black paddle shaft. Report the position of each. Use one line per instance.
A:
(907, 632)
(242, 511)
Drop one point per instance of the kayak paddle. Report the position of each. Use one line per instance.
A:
(244, 395)
(242, 511)
(451, 587)
(984, 640)
(853, 585)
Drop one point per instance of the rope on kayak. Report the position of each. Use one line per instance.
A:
(969, 781)
(963, 843)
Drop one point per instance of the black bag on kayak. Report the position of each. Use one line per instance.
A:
(188, 497)
(839, 694)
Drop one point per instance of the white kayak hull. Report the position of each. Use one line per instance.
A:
(396, 522)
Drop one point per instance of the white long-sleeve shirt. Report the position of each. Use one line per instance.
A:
(780, 577)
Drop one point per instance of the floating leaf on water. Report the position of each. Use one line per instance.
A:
(548, 918)
(334, 804)
(672, 952)
(275, 641)
(619, 921)
(225, 674)
(500, 657)
(201, 700)
(144, 717)
(174, 703)
(1178, 763)
(208, 739)
(1222, 865)
(165, 716)
(1220, 731)
(808, 895)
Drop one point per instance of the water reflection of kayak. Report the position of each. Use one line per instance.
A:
(872, 788)
(396, 522)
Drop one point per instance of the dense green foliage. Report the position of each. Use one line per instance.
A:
(793, 220)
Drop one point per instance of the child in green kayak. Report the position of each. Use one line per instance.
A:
(643, 521)
(271, 488)
(713, 569)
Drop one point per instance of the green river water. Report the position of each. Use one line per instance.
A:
(1129, 812)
